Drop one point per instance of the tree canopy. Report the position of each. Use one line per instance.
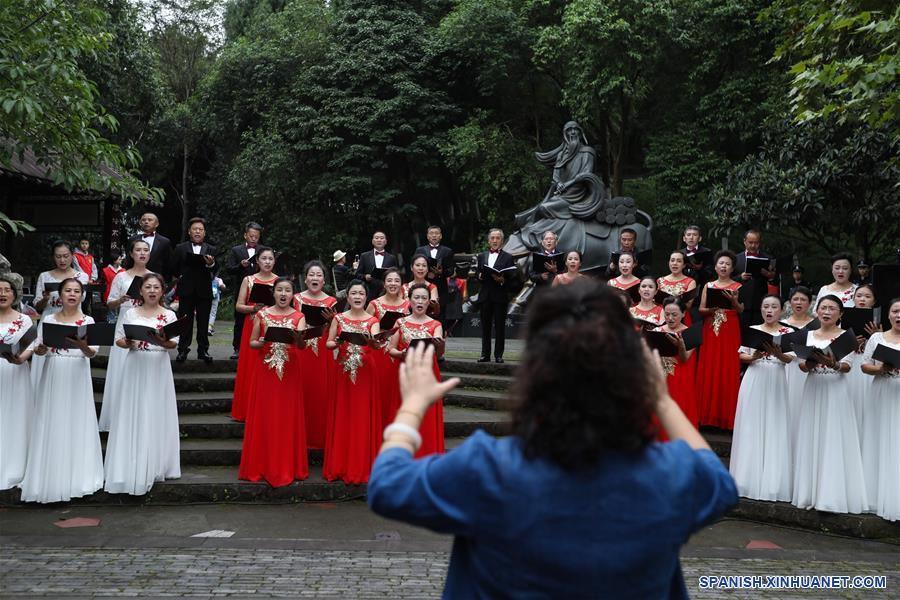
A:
(325, 120)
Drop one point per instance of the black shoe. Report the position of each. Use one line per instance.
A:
(205, 357)
(484, 359)
(235, 356)
(182, 356)
(498, 360)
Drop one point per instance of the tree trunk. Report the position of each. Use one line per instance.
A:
(185, 209)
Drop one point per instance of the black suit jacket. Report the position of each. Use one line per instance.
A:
(160, 255)
(536, 278)
(705, 273)
(233, 265)
(754, 289)
(641, 271)
(193, 281)
(367, 267)
(445, 259)
(491, 291)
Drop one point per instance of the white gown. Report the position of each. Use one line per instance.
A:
(117, 289)
(143, 445)
(881, 437)
(64, 457)
(796, 379)
(860, 386)
(828, 471)
(16, 408)
(53, 306)
(761, 447)
(845, 296)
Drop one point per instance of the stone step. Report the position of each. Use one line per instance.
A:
(184, 382)
(205, 484)
(189, 366)
(227, 451)
(192, 402)
(458, 422)
(483, 399)
(479, 381)
(456, 365)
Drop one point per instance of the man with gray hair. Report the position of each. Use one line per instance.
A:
(496, 269)
(543, 277)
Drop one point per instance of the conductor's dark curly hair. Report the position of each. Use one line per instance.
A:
(584, 386)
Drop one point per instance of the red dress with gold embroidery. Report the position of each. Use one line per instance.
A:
(355, 424)
(275, 434)
(406, 287)
(676, 288)
(654, 315)
(719, 366)
(318, 368)
(624, 287)
(388, 369)
(248, 362)
(432, 428)
(681, 381)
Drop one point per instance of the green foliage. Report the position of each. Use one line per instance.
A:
(846, 59)
(829, 185)
(47, 103)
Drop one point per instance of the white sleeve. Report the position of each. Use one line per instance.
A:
(120, 327)
(118, 288)
(870, 349)
(39, 287)
(745, 350)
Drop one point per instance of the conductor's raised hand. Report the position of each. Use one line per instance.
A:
(418, 386)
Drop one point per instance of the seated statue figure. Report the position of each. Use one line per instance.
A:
(578, 208)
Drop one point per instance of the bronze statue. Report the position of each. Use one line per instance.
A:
(578, 208)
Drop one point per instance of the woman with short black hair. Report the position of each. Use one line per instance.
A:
(621, 505)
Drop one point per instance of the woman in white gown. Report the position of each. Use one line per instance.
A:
(828, 471)
(881, 446)
(842, 287)
(64, 458)
(761, 448)
(138, 255)
(859, 382)
(16, 399)
(48, 302)
(800, 302)
(143, 445)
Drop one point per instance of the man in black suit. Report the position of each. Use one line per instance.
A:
(241, 263)
(376, 258)
(443, 256)
(699, 265)
(160, 246)
(548, 247)
(755, 287)
(627, 243)
(493, 297)
(194, 265)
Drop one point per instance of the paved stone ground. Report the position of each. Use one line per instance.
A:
(46, 572)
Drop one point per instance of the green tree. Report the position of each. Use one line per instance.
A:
(827, 184)
(846, 59)
(606, 54)
(48, 104)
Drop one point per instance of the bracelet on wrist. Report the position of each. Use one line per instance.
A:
(405, 430)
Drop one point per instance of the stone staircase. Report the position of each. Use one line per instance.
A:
(211, 448)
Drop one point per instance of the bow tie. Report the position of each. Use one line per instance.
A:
(434, 247)
(379, 253)
(495, 252)
(146, 235)
(694, 249)
(251, 246)
(753, 254)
